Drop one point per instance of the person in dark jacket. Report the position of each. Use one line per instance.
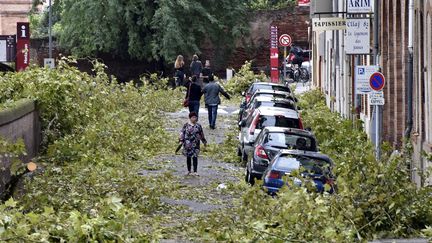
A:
(212, 100)
(207, 73)
(194, 91)
(196, 68)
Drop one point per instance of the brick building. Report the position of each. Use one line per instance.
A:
(422, 127)
(11, 12)
(334, 74)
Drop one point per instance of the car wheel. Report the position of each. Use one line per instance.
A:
(239, 152)
(244, 158)
(250, 178)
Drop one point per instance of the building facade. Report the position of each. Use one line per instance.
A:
(422, 126)
(334, 74)
(11, 12)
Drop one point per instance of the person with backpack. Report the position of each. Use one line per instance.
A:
(212, 100)
(179, 71)
(193, 95)
(196, 67)
(191, 136)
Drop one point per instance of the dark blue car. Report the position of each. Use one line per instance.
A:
(299, 168)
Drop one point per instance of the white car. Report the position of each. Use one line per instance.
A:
(261, 118)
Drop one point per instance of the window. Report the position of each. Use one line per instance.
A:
(286, 105)
(305, 163)
(271, 87)
(277, 121)
(292, 141)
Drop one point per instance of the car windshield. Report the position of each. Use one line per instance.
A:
(270, 87)
(277, 121)
(286, 105)
(307, 164)
(291, 141)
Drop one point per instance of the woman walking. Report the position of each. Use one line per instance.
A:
(179, 70)
(191, 136)
(193, 95)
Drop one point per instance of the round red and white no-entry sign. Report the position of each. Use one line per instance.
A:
(285, 40)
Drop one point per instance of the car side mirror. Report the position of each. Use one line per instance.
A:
(243, 93)
(242, 123)
(295, 99)
(308, 129)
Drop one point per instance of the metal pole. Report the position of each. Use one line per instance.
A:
(284, 63)
(375, 54)
(49, 30)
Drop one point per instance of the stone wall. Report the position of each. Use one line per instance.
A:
(19, 122)
(11, 12)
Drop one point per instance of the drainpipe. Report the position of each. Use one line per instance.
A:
(410, 70)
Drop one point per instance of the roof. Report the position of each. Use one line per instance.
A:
(272, 111)
(290, 130)
(316, 155)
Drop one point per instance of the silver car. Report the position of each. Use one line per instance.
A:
(261, 118)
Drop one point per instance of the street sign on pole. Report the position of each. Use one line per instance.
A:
(362, 78)
(377, 81)
(360, 6)
(23, 46)
(376, 98)
(357, 37)
(274, 54)
(285, 40)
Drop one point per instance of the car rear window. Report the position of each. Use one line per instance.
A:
(291, 141)
(277, 121)
(307, 164)
(281, 96)
(270, 87)
(287, 164)
(286, 105)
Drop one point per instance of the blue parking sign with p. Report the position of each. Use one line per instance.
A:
(361, 71)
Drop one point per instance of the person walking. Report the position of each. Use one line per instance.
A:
(193, 95)
(212, 100)
(207, 73)
(196, 67)
(191, 136)
(179, 71)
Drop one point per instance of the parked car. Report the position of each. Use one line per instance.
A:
(299, 168)
(269, 143)
(262, 86)
(267, 93)
(6, 68)
(266, 101)
(261, 118)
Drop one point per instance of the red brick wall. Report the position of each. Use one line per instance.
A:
(394, 60)
(256, 47)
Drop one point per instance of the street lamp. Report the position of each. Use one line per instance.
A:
(50, 29)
